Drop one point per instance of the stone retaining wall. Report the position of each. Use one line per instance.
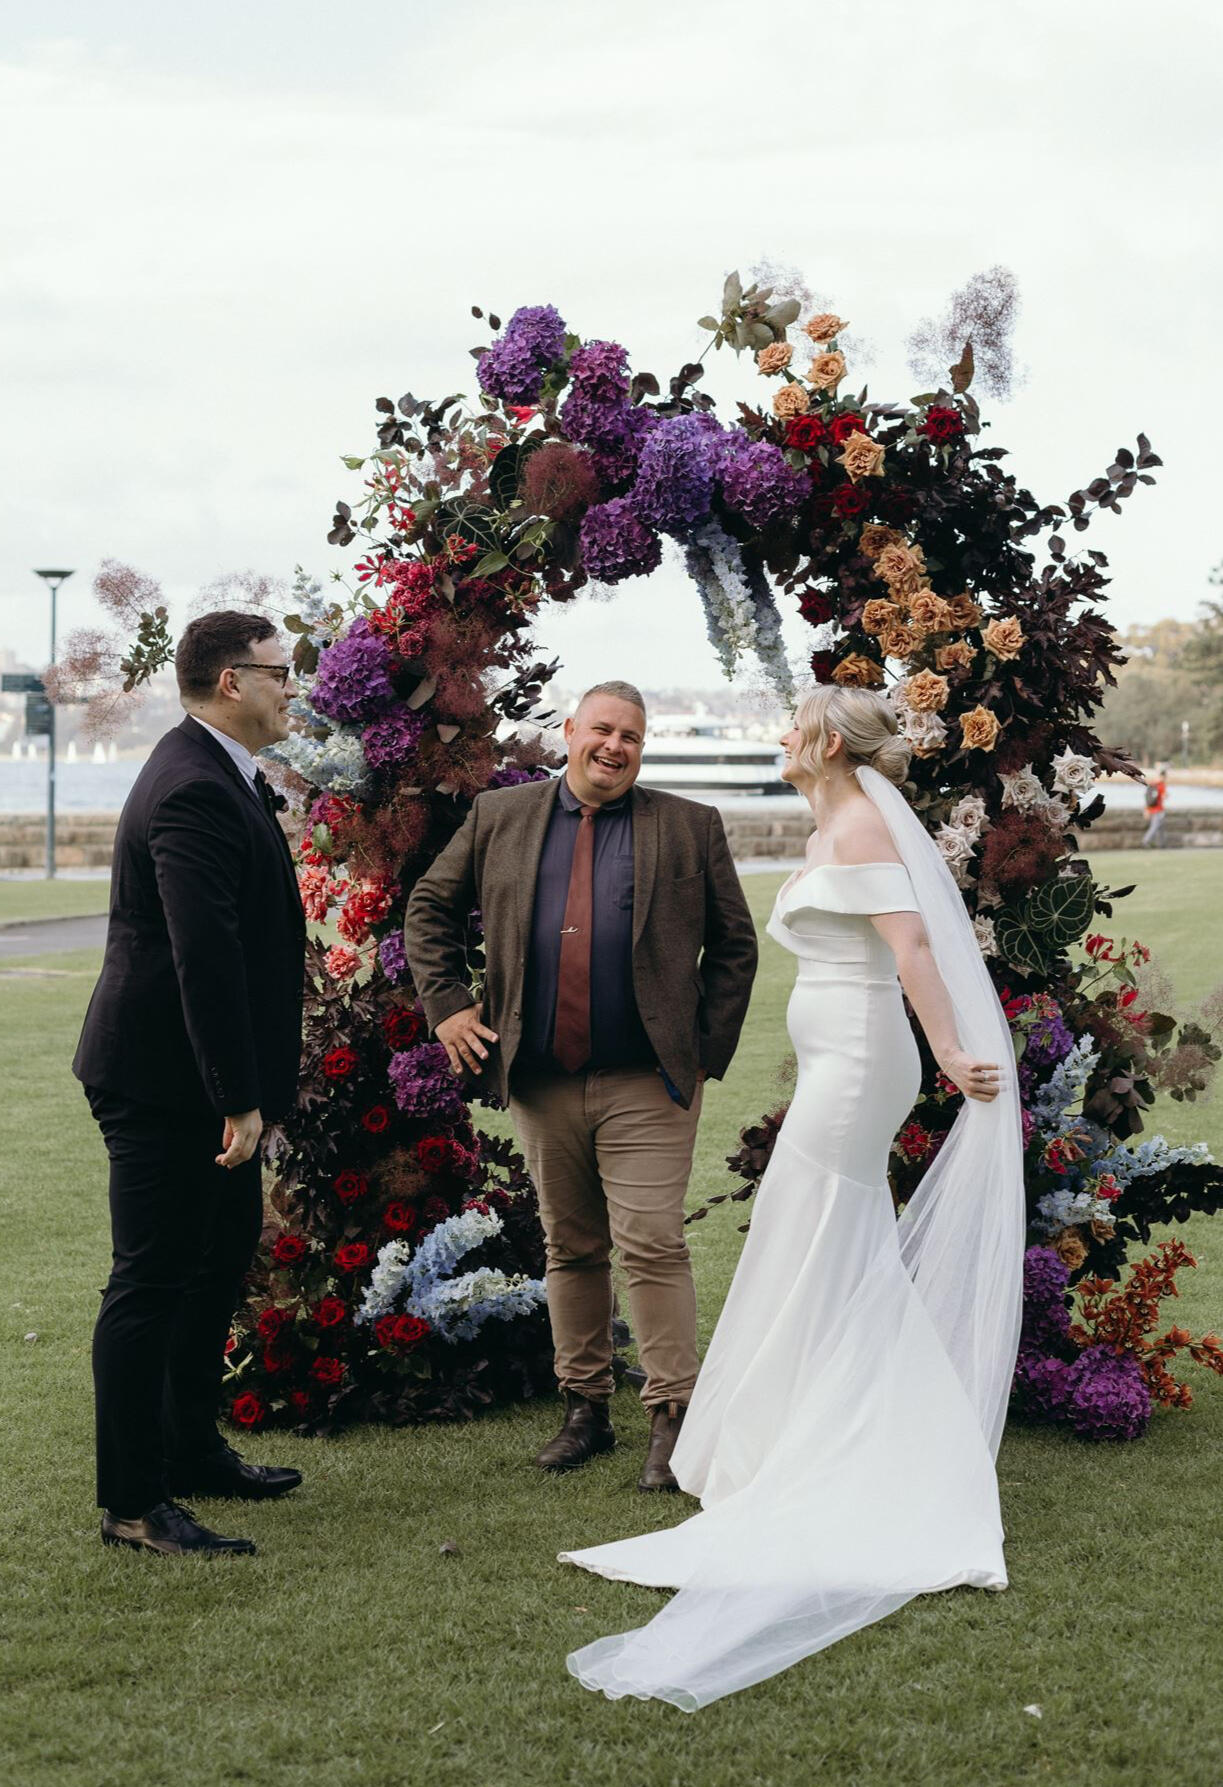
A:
(86, 840)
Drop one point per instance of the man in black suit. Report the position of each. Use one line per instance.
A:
(191, 1043)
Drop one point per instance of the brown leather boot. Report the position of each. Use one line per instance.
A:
(587, 1432)
(665, 1423)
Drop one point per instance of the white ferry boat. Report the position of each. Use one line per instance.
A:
(702, 754)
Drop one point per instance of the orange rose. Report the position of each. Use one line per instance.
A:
(980, 729)
(858, 672)
(878, 614)
(824, 327)
(791, 399)
(874, 537)
(964, 611)
(774, 358)
(1070, 1249)
(959, 655)
(1003, 637)
(926, 693)
(929, 612)
(898, 641)
(861, 456)
(826, 371)
(902, 568)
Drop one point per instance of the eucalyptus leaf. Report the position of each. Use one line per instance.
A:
(732, 292)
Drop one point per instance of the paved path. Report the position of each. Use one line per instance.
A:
(52, 936)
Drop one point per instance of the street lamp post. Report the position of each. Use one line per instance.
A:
(52, 579)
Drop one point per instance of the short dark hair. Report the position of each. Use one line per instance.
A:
(213, 642)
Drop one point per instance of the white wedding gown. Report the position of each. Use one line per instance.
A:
(842, 1432)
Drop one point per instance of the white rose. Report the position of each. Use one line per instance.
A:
(983, 931)
(969, 813)
(925, 732)
(956, 846)
(1073, 774)
(1055, 811)
(1023, 789)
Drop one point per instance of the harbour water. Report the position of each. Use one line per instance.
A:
(88, 787)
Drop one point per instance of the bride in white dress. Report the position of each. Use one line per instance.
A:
(843, 1429)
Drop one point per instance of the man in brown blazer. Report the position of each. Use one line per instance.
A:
(619, 962)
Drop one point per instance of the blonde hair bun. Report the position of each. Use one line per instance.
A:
(867, 723)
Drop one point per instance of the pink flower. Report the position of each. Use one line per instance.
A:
(342, 963)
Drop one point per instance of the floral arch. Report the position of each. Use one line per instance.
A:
(402, 1276)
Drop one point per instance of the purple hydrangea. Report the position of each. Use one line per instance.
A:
(393, 738)
(424, 1085)
(598, 391)
(676, 473)
(1049, 1040)
(1046, 1320)
(616, 543)
(1028, 1123)
(514, 366)
(513, 777)
(758, 481)
(393, 956)
(617, 452)
(1108, 1398)
(1041, 1386)
(353, 680)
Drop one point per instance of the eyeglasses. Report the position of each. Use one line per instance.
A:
(279, 671)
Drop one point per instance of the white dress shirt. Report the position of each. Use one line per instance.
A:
(241, 756)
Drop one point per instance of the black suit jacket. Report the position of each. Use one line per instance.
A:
(199, 1001)
(694, 944)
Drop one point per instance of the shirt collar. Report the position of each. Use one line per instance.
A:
(571, 803)
(241, 756)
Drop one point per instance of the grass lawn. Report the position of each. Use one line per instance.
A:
(351, 1650)
(22, 900)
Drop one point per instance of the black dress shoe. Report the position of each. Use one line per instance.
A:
(172, 1531)
(224, 1473)
(587, 1431)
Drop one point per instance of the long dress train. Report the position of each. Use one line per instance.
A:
(842, 1432)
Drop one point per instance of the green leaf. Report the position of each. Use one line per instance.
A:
(1033, 932)
(354, 461)
(492, 561)
(708, 322)
(732, 292)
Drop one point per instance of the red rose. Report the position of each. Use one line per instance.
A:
(300, 1400)
(816, 607)
(249, 1410)
(841, 427)
(401, 1028)
(435, 1210)
(941, 423)
(821, 666)
(272, 1321)
(351, 1256)
(376, 1119)
(805, 433)
(276, 1359)
(350, 1185)
(327, 1370)
(401, 1331)
(339, 1063)
(287, 1250)
(400, 1218)
(330, 1312)
(477, 1204)
(434, 1152)
(850, 499)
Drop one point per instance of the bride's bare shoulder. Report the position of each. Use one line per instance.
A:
(863, 836)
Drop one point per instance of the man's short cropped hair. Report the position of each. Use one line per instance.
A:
(212, 643)
(621, 691)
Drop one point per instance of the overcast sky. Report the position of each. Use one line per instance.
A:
(228, 229)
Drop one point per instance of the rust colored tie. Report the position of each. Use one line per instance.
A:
(571, 1036)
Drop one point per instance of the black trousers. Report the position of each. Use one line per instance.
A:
(184, 1231)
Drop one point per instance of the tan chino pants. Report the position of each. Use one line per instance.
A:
(610, 1153)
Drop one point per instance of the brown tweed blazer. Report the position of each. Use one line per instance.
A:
(694, 944)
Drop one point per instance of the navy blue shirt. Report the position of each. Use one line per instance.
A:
(617, 1035)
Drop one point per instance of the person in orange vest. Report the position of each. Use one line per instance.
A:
(1156, 809)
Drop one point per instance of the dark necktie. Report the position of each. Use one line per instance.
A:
(571, 1038)
(263, 789)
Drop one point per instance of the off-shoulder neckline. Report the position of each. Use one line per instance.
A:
(817, 867)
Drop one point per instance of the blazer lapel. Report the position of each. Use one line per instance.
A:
(219, 754)
(528, 844)
(645, 856)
